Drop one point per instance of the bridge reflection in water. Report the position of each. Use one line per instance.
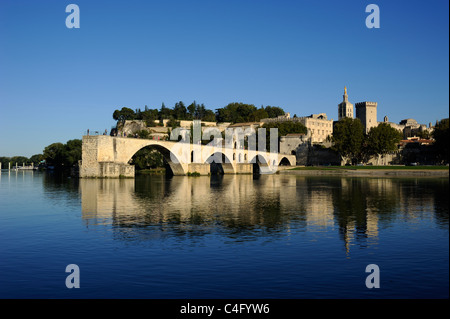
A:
(246, 207)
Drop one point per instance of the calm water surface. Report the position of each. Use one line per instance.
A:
(223, 237)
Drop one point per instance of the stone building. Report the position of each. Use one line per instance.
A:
(366, 112)
(398, 127)
(413, 128)
(318, 125)
(410, 127)
(290, 143)
(307, 153)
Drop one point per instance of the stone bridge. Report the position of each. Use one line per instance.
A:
(107, 156)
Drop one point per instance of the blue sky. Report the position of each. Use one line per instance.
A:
(56, 82)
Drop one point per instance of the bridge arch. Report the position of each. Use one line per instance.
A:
(266, 164)
(177, 168)
(260, 163)
(285, 162)
(220, 163)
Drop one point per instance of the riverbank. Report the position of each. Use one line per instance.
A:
(368, 171)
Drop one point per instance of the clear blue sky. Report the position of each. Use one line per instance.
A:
(56, 82)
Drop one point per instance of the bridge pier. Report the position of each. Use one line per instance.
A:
(111, 169)
(107, 170)
(98, 159)
(202, 169)
(244, 168)
(179, 169)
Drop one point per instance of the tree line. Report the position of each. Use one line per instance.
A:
(442, 138)
(350, 140)
(20, 160)
(233, 112)
(57, 155)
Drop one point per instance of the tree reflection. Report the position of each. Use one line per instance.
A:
(60, 188)
(441, 202)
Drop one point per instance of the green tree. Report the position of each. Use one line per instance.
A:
(286, 127)
(147, 158)
(150, 116)
(259, 114)
(72, 153)
(63, 155)
(138, 114)
(191, 110)
(20, 160)
(348, 138)
(209, 116)
(143, 134)
(425, 134)
(124, 114)
(180, 111)
(235, 113)
(165, 112)
(274, 111)
(383, 139)
(36, 159)
(5, 160)
(172, 123)
(200, 111)
(442, 139)
(54, 154)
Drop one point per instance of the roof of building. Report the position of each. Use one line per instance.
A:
(294, 134)
(417, 140)
(244, 124)
(408, 121)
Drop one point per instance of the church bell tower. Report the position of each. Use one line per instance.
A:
(345, 108)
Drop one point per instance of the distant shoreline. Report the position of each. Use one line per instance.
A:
(327, 171)
(366, 172)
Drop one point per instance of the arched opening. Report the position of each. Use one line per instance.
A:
(257, 162)
(284, 162)
(220, 164)
(293, 153)
(155, 158)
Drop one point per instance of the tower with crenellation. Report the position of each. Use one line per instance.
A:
(367, 113)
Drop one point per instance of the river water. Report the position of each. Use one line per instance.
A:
(241, 236)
